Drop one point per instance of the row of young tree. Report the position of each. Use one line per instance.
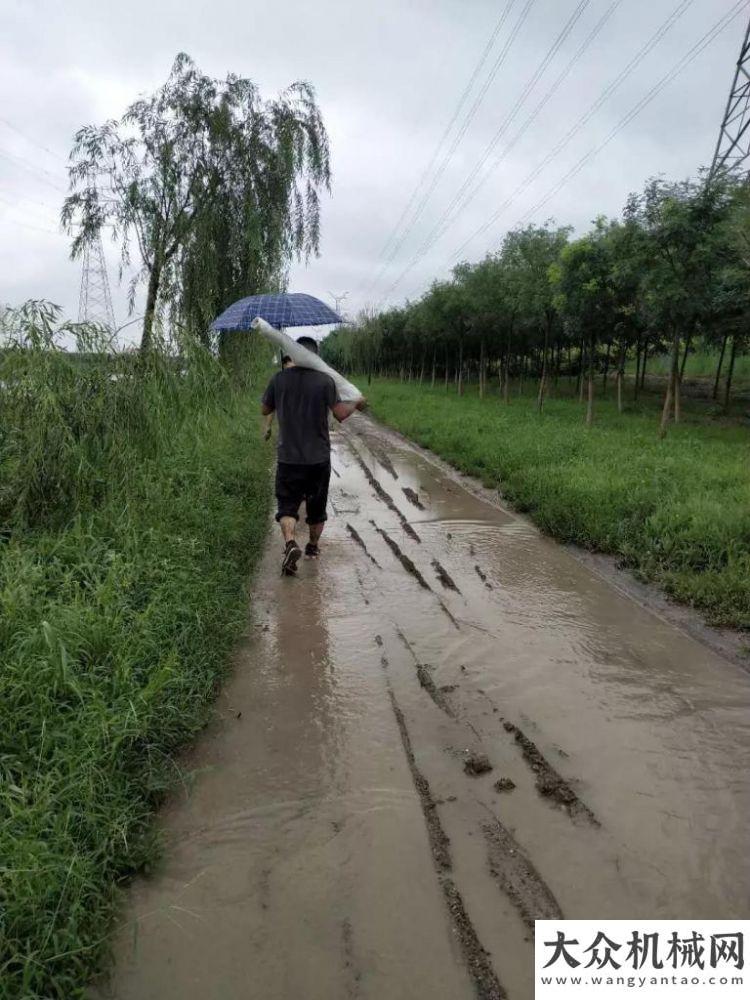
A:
(671, 274)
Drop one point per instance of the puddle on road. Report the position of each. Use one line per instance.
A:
(299, 864)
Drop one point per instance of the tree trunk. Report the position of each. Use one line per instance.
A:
(460, 385)
(481, 370)
(685, 354)
(637, 366)
(543, 379)
(620, 375)
(715, 393)
(147, 337)
(643, 367)
(676, 376)
(590, 404)
(665, 409)
(434, 366)
(606, 368)
(447, 367)
(730, 373)
(672, 393)
(581, 380)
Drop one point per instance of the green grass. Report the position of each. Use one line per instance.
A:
(677, 511)
(701, 364)
(127, 533)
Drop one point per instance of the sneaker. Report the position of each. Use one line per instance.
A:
(312, 551)
(292, 554)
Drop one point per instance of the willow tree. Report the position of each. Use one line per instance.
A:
(217, 189)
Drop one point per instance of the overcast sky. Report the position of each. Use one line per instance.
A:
(390, 77)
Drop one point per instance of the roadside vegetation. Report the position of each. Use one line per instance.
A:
(670, 278)
(134, 498)
(133, 504)
(676, 511)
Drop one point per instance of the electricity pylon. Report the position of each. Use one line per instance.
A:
(95, 302)
(733, 146)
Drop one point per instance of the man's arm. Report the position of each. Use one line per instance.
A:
(342, 411)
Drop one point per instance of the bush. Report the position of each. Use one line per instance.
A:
(132, 511)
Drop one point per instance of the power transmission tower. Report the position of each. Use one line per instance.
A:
(733, 146)
(337, 299)
(95, 302)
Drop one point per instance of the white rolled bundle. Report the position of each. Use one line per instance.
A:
(300, 355)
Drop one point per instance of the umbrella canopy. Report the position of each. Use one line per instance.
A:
(284, 309)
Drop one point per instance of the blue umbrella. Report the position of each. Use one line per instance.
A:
(284, 309)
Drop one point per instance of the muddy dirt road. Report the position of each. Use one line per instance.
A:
(445, 728)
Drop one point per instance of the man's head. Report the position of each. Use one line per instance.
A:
(286, 361)
(309, 342)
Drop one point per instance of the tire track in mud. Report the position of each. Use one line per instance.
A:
(549, 782)
(360, 541)
(381, 457)
(412, 496)
(405, 561)
(385, 497)
(410, 567)
(507, 863)
(517, 877)
(486, 984)
(445, 578)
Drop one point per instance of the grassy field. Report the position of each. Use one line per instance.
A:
(677, 511)
(133, 510)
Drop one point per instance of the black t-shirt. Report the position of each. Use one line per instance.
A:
(302, 398)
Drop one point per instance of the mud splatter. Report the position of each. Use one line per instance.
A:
(445, 578)
(412, 497)
(548, 782)
(486, 984)
(385, 497)
(483, 577)
(358, 539)
(517, 876)
(405, 561)
(504, 785)
(477, 763)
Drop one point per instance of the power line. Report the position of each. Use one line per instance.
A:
(583, 120)
(41, 174)
(468, 118)
(689, 56)
(454, 118)
(459, 200)
(34, 142)
(575, 58)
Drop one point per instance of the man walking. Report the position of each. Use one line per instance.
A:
(301, 399)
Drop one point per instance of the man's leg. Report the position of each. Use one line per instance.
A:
(289, 491)
(316, 496)
(316, 530)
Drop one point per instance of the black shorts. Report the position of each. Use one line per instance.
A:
(295, 483)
